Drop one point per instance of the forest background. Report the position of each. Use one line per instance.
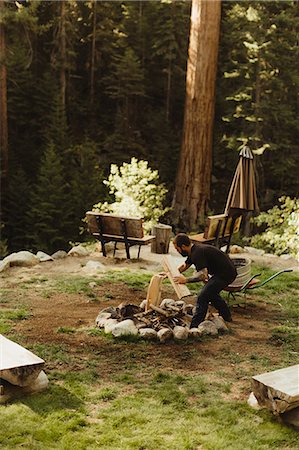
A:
(95, 83)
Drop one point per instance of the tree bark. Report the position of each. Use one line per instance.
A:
(63, 54)
(3, 109)
(93, 51)
(192, 191)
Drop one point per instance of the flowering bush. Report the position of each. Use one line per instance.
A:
(282, 228)
(137, 192)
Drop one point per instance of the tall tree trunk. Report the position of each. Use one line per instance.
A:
(3, 111)
(192, 191)
(63, 54)
(93, 51)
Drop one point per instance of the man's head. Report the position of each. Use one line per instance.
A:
(182, 244)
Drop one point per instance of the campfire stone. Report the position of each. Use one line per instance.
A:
(180, 333)
(109, 325)
(220, 324)
(165, 334)
(102, 319)
(236, 249)
(124, 328)
(194, 332)
(148, 333)
(208, 327)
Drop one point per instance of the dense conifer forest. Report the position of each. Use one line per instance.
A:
(87, 84)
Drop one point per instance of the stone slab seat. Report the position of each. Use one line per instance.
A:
(18, 365)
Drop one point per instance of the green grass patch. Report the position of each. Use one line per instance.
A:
(134, 279)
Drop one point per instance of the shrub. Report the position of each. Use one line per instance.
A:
(282, 228)
(137, 192)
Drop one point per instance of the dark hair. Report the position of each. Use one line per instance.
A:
(182, 239)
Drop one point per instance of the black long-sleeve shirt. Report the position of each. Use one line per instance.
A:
(214, 260)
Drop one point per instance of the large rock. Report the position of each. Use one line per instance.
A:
(165, 334)
(102, 319)
(94, 266)
(11, 391)
(180, 333)
(43, 257)
(125, 328)
(148, 333)
(79, 250)
(109, 325)
(60, 254)
(208, 327)
(220, 324)
(194, 332)
(234, 249)
(22, 258)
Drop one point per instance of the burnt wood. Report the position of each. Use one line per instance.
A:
(110, 228)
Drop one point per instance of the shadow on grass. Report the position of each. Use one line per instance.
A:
(55, 398)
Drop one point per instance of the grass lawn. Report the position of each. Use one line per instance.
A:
(121, 394)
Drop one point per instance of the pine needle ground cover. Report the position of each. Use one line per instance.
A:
(116, 394)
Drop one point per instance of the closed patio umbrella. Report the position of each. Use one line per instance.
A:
(242, 196)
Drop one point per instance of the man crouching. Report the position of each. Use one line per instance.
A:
(213, 266)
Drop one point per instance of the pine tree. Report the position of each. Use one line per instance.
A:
(51, 212)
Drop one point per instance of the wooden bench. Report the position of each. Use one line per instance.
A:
(219, 230)
(110, 228)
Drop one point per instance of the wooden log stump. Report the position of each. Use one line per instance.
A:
(163, 233)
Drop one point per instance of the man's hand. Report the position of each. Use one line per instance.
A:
(180, 279)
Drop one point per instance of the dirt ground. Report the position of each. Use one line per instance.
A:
(249, 330)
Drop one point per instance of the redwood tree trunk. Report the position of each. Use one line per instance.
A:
(63, 54)
(192, 191)
(3, 111)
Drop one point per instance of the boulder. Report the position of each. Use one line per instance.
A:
(102, 319)
(148, 333)
(43, 257)
(165, 334)
(125, 328)
(194, 332)
(207, 327)
(109, 325)
(252, 401)
(79, 250)
(11, 391)
(22, 258)
(180, 333)
(60, 254)
(220, 323)
(93, 266)
(236, 249)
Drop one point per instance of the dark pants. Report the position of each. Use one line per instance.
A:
(210, 293)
